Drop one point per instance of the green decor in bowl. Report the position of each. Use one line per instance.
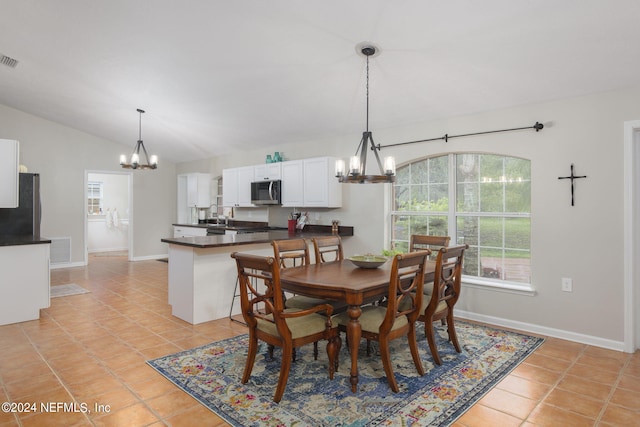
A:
(368, 261)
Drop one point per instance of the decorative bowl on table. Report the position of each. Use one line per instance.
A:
(368, 260)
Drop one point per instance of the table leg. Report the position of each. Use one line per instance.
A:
(354, 332)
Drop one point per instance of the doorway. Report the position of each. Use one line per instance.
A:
(108, 214)
(631, 236)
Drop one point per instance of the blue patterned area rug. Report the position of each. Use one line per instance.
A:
(211, 374)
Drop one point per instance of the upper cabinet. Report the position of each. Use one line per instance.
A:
(321, 187)
(236, 186)
(292, 183)
(305, 183)
(194, 191)
(199, 190)
(267, 172)
(9, 169)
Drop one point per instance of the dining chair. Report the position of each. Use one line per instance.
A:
(388, 322)
(268, 320)
(446, 291)
(421, 242)
(327, 248)
(292, 253)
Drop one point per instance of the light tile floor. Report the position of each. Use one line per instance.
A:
(91, 349)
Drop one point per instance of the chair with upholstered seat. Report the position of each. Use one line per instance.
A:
(388, 322)
(292, 253)
(420, 242)
(327, 249)
(446, 291)
(263, 309)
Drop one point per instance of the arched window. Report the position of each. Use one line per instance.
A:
(483, 200)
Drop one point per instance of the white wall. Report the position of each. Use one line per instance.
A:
(583, 242)
(63, 155)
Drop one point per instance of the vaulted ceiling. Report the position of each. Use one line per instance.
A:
(220, 76)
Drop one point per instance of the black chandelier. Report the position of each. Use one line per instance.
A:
(358, 163)
(135, 156)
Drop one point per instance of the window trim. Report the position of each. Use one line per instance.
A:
(503, 286)
(452, 216)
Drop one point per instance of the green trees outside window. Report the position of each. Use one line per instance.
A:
(483, 200)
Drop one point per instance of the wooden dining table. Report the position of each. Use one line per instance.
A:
(343, 281)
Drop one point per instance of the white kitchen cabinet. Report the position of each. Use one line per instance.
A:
(320, 187)
(194, 190)
(24, 282)
(9, 169)
(199, 190)
(236, 186)
(292, 184)
(230, 187)
(184, 231)
(305, 183)
(267, 172)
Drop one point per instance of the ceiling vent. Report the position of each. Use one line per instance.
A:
(8, 61)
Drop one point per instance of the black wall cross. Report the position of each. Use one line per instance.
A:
(572, 177)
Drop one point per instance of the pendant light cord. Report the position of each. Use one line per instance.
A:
(367, 93)
(140, 125)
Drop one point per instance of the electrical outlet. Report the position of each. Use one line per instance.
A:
(567, 284)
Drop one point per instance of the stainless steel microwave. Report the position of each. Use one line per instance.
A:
(266, 192)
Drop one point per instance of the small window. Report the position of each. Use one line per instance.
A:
(94, 198)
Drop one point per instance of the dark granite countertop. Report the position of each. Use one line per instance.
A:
(217, 241)
(193, 225)
(237, 226)
(22, 240)
(230, 224)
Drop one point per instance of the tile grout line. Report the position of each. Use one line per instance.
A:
(614, 387)
(53, 371)
(10, 400)
(554, 387)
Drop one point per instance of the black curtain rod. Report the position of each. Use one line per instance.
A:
(538, 126)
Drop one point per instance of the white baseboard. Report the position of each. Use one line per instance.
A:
(150, 257)
(542, 330)
(98, 250)
(84, 264)
(67, 265)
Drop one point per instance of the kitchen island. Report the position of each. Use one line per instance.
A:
(202, 274)
(24, 278)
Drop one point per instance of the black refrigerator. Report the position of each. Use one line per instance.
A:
(25, 219)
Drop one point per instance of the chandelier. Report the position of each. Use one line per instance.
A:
(358, 163)
(135, 156)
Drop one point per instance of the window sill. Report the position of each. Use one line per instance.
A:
(511, 288)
